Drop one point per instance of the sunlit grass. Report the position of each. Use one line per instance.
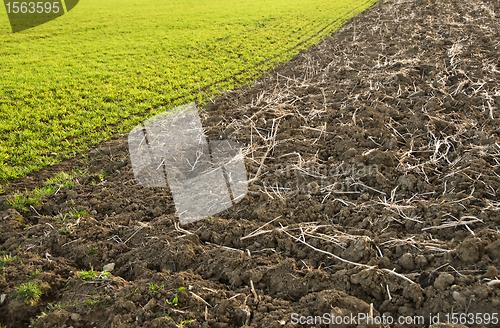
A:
(105, 66)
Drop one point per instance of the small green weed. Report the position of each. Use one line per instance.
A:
(91, 303)
(61, 180)
(30, 292)
(100, 303)
(72, 214)
(60, 217)
(67, 286)
(92, 251)
(92, 274)
(34, 323)
(155, 287)
(64, 231)
(7, 258)
(21, 202)
(185, 323)
(89, 274)
(75, 214)
(105, 274)
(101, 176)
(175, 300)
(34, 274)
(52, 308)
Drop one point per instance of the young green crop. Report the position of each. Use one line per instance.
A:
(93, 274)
(5, 259)
(22, 201)
(102, 68)
(30, 292)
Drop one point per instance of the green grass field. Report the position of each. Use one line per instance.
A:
(104, 67)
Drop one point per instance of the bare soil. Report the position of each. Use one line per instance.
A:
(374, 170)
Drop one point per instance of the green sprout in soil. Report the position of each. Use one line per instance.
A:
(7, 258)
(92, 251)
(104, 174)
(34, 323)
(51, 308)
(100, 303)
(89, 274)
(61, 180)
(67, 286)
(92, 274)
(22, 201)
(64, 231)
(34, 274)
(72, 214)
(185, 323)
(91, 303)
(155, 287)
(105, 274)
(175, 300)
(75, 214)
(30, 292)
